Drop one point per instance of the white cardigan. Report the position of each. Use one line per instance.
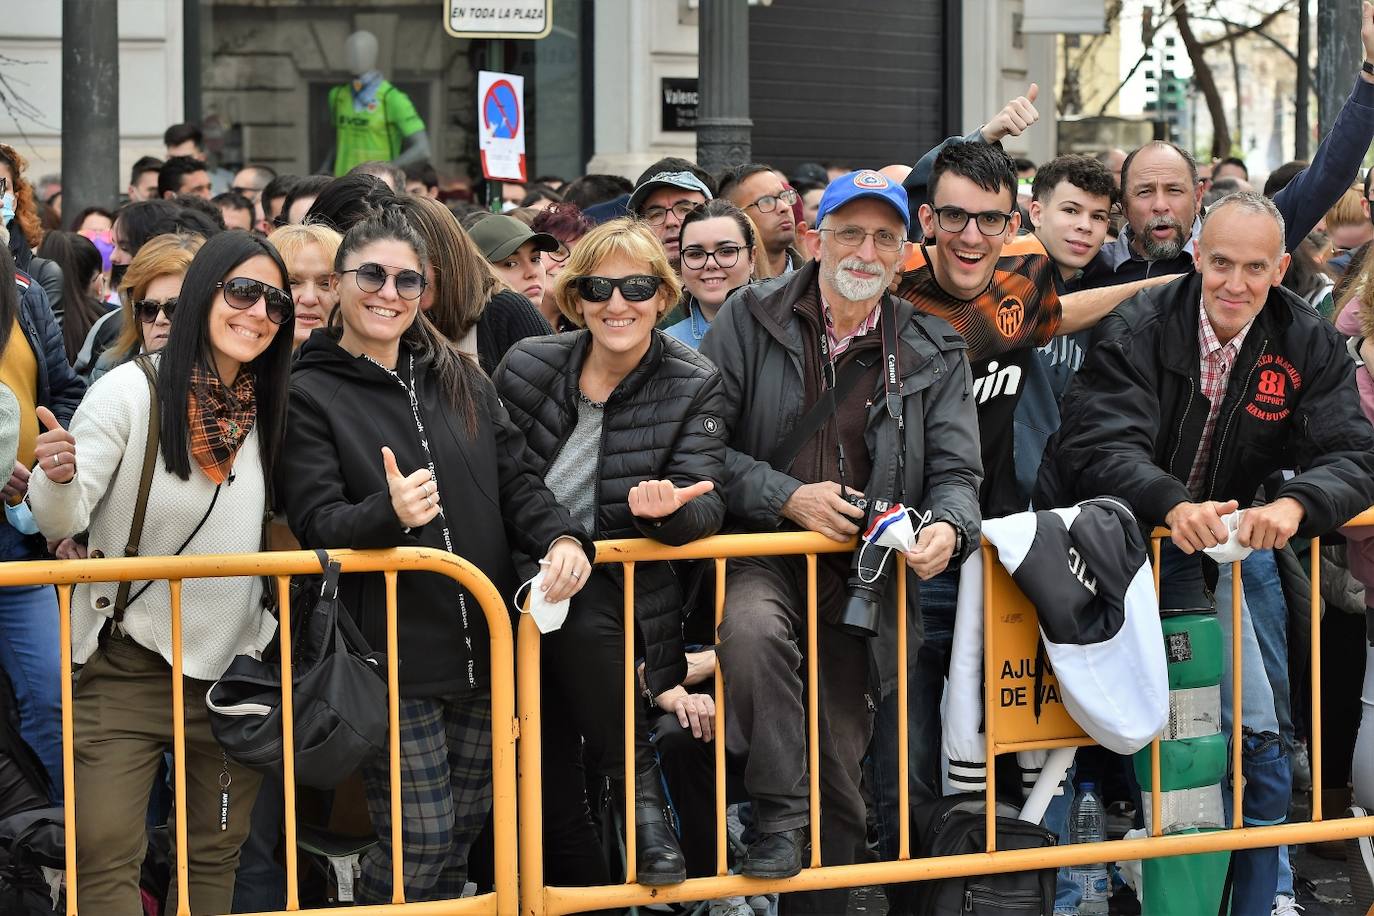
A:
(221, 618)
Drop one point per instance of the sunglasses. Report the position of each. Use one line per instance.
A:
(243, 293)
(146, 309)
(372, 277)
(637, 288)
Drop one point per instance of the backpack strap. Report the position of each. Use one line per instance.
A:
(145, 482)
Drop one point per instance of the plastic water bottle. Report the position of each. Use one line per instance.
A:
(1088, 824)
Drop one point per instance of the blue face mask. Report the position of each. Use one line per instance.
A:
(21, 518)
(7, 207)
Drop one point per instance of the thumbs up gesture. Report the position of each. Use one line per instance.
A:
(1013, 120)
(55, 450)
(414, 497)
(660, 498)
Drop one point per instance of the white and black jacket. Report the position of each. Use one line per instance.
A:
(1085, 570)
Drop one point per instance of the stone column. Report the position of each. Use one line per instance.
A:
(90, 104)
(724, 130)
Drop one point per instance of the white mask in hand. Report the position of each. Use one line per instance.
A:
(547, 616)
(1230, 551)
(893, 530)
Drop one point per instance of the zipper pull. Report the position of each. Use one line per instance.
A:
(968, 901)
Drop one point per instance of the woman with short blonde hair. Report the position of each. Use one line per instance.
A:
(308, 250)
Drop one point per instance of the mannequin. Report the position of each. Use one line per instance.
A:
(372, 119)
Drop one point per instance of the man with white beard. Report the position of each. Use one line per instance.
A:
(834, 388)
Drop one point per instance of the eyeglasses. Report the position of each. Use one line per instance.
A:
(372, 277)
(990, 222)
(146, 309)
(853, 236)
(243, 293)
(4, 185)
(769, 202)
(250, 193)
(559, 254)
(637, 288)
(657, 216)
(724, 256)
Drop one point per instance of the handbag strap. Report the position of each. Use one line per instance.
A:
(145, 482)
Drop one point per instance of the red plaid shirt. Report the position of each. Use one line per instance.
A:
(1217, 362)
(839, 344)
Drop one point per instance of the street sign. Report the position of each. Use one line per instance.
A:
(498, 18)
(501, 135)
(679, 97)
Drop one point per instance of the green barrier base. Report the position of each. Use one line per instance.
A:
(1183, 885)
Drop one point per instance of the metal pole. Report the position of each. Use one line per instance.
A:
(90, 103)
(1302, 122)
(724, 130)
(1338, 56)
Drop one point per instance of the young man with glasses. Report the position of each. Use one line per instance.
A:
(764, 195)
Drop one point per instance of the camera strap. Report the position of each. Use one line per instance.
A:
(838, 385)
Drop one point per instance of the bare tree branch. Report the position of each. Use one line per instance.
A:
(1243, 30)
(13, 102)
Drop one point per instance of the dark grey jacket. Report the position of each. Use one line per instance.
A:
(756, 341)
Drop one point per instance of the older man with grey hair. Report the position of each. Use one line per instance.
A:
(1193, 395)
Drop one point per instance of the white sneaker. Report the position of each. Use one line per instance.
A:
(1359, 858)
(1285, 905)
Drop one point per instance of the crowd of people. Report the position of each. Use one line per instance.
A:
(365, 365)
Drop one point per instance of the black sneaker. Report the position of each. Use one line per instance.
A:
(776, 855)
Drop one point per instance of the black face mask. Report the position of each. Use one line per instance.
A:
(117, 272)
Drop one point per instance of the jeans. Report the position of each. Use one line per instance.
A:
(1269, 612)
(31, 655)
(260, 883)
(1266, 871)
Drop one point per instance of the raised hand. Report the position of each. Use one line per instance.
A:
(1014, 119)
(55, 449)
(414, 497)
(660, 498)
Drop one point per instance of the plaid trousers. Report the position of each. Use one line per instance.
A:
(445, 798)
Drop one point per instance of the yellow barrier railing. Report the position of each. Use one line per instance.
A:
(282, 565)
(537, 899)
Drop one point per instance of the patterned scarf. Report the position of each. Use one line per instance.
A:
(220, 419)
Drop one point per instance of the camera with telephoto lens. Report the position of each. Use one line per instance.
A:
(868, 574)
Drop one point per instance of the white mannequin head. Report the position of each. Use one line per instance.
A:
(360, 52)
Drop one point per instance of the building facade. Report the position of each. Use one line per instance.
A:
(609, 89)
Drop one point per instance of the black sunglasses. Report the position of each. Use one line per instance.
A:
(243, 293)
(372, 277)
(146, 309)
(635, 288)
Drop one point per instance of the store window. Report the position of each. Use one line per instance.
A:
(267, 69)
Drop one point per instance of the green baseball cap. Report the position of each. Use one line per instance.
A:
(498, 237)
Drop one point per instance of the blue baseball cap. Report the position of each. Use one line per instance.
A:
(864, 183)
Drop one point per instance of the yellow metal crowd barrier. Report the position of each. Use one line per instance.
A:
(1009, 622)
(282, 565)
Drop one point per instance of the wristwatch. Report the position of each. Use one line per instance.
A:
(1367, 67)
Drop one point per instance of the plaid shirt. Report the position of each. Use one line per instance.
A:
(1217, 362)
(839, 344)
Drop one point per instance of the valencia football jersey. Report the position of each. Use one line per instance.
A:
(1018, 312)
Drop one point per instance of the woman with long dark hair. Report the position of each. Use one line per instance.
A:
(221, 408)
(82, 285)
(465, 301)
(397, 439)
(623, 421)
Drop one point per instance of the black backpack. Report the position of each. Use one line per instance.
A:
(957, 824)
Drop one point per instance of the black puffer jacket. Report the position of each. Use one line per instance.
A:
(662, 422)
(343, 409)
(1133, 416)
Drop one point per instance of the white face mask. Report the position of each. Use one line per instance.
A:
(548, 617)
(892, 530)
(1230, 550)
